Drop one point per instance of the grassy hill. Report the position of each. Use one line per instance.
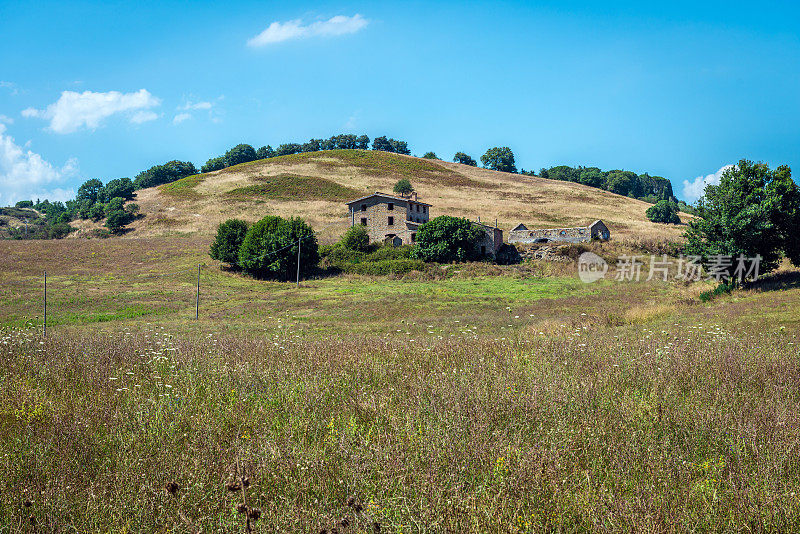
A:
(315, 185)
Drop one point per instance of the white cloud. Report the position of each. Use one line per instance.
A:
(5, 119)
(294, 29)
(73, 111)
(180, 117)
(196, 105)
(26, 175)
(11, 86)
(695, 189)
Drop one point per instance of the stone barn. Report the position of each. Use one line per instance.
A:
(581, 234)
(491, 240)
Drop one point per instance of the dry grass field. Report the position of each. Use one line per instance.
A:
(474, 398)
(315, 186)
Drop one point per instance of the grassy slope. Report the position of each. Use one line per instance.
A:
(490, 400)
(314, 185)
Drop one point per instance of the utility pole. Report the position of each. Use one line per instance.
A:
(298, 263)
(197, 300)
(45, 304)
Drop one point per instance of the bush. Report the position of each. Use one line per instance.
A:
(447, 239)
(340, 257)
(269, 249)
(356, 238)
(24, 204)
(663, 211)
(97, 212)
(229, 239)
(388, 252)
(115, 204)
(722, 289)
(430, 155)
(384, 267)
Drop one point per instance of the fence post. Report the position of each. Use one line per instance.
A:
(298, 262)
(45, 304)
(197, 300)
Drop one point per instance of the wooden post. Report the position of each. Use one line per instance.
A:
(197, 300)
(298, 263)
(45, 304)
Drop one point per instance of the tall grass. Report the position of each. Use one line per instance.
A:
(691, 428)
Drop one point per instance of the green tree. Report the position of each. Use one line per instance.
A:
(753, 211)
(464, 159)
(265, 152)
(403, 187)
(24, 204)
(269, 249)
(164, 174)
(228, 242)
(115, 204)
(90, 190)
(120, 187)
(623, 183)
(499, 159)
(97, 212)
(116, 221)
(663, 211)
(430, 155)
(447, 239)
(362, 142)
(214, 164)
(356, 238)
(241, 153)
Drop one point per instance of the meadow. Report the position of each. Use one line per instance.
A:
(475, 398)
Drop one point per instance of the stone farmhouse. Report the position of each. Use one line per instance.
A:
(394, 220)
(389, 218)
(581, 234)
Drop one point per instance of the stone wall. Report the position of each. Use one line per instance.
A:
(558, 235)
(491, 240)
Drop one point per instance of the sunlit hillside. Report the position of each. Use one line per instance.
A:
(315, 186)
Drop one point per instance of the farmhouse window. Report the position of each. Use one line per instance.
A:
(391, 221)
(391, 206)
(363, 207)
(363, 221)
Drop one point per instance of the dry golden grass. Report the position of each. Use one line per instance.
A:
(451, 188)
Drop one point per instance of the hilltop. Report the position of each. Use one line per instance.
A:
(315, 185)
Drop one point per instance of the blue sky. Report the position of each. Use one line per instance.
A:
(677, 89)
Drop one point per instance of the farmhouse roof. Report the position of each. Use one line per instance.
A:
(386, 195)
(518, 227)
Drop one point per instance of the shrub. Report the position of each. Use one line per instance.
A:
(447, 239)
(97, 212)
(663, 211)
(24, 204)
(340, 257)
(430, 155)
(269, 249)
(115, 204)
(229, 239)
(388, 252)
(722, 289)
(356, 238)
(384, 267)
